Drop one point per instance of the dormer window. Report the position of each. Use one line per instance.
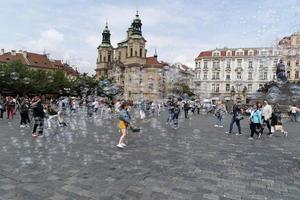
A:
(250, 53)
(228, 53)
(240, 53)
(216, 54)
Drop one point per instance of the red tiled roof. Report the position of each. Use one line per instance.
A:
(39, 60)
(205, 54)
(152, 61)
(8, 57)
(58, 64)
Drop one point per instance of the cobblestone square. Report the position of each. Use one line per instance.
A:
(196, 161)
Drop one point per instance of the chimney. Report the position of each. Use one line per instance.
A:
(13, 52)
(2, 52)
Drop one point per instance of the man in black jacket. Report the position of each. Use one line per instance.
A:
(38, 114)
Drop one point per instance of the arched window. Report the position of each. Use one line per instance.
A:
(141, 52)
(100, 58)
(131, 52)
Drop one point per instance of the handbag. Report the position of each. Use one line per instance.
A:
(239, 116)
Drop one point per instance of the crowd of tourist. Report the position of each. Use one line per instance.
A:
(260, 116)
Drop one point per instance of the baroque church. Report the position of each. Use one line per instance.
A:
(128, 64)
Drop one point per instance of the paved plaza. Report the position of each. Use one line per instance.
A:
(196, 161)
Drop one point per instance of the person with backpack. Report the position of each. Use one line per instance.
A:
(256, 121)
(236, 118)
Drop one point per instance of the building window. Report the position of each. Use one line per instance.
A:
(119, 55)
(131, 52)
(239, 75)
(228, 53)
(227, 88)
(100, 58)
(250, 53)
(249, 87)
(275, 62)
(205, 64)
(261, 64)
(297, 74)
(228, 63)
(297, 63)
(215, 76)
(239, 62)
(250, 76)
(141, 52)
(239, 53)
(250, 64)
(215, 88)
(216, 54)
(109, 58)
(205, 76)
(216, 65)
(227, 76)
(288, 63)
(288, 74)
(265, 76)
(260, 85)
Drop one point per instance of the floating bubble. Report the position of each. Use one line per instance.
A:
(14, 76)
(2, 73)
(50, 79)
(26, 80)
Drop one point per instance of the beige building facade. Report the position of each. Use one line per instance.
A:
(237, 73)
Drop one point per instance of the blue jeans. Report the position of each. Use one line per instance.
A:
(237, 122)
(220, 120)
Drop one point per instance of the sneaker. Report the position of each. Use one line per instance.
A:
(22, 126)
(250, 138)
(34, 135)
(285, 133)
(259, 135)
(227, 132)
(271, 135)
(120, 146)
(238, 134)
(124, 145)
(221, 126)
(40, 135)
(216, 125)
(27, 125)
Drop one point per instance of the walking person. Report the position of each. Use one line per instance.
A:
(170, 106)
(256, 122)
(38, 114)
(266, 115)
(176, 113)
(24, 113)
(186, 108)
(293, 112)
(10, 107)
(124, 123)
(2, 106)
(219, 113)
(276, 123)
(236, 118)
(52, 114)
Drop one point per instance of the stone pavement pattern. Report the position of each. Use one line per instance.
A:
(196, 161)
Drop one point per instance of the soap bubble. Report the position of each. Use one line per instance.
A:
(26, 80)
(14, 76)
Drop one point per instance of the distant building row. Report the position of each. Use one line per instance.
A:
(37, 61)
(227, 73)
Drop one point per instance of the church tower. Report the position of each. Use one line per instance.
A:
(136, 51)
(105, 55)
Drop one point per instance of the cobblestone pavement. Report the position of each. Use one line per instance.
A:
(196, 161)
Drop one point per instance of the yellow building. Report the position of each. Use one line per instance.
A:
(129, 66)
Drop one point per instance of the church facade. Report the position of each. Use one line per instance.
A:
(128, 65)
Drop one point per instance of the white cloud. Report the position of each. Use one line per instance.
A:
(49, 40)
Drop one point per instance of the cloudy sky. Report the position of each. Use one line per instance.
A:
(179, 29)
